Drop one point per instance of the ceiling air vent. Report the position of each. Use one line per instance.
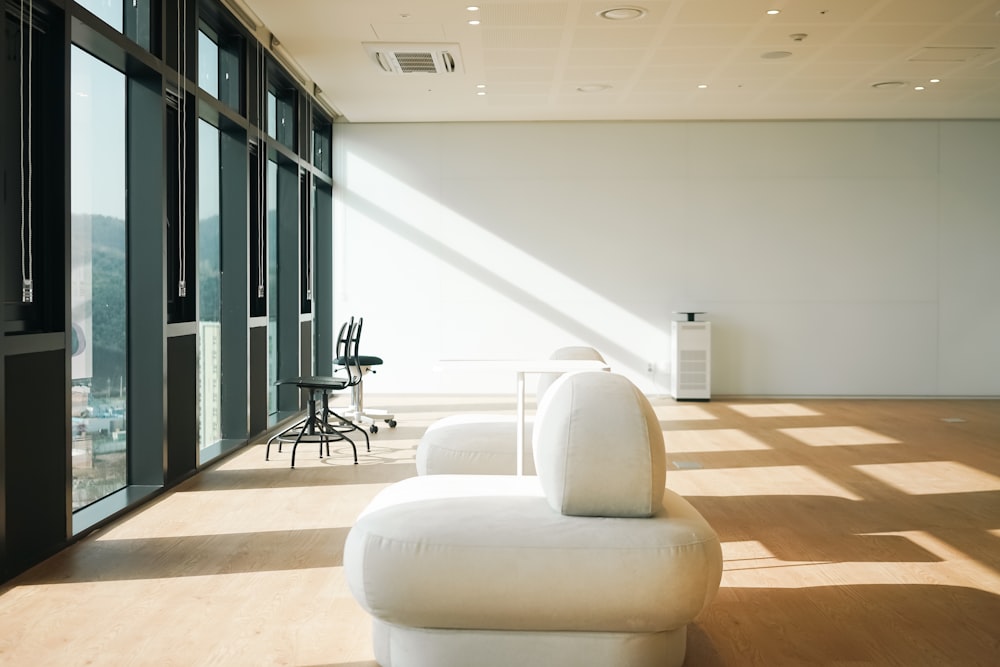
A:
(416, 58)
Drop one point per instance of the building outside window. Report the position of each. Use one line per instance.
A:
(98, 282)
(209, 287)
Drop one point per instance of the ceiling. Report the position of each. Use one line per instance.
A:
(559, 60)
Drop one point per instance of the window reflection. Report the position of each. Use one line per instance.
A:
(99, 264)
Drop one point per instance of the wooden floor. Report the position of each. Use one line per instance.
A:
(854, 533)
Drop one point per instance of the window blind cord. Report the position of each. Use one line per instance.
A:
(307, 214)
(27, 251)
(261, 173)
(181, 149)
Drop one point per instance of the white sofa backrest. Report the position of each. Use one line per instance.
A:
(545, 380)
(598, 447)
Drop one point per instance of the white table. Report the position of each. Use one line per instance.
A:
(521, 367)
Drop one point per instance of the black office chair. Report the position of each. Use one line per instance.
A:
(357, 412)
(321, 423)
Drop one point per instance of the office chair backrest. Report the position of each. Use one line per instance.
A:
(352, 350)
(347, 350)
(343, 338)
(357, 336)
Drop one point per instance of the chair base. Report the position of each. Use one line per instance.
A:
(317, 426)
(367, 417)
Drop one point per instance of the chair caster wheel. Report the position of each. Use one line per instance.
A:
(373, 428)
(391, 423)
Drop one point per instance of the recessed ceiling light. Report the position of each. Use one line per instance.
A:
(622, 13)
(703, 85)
(775, 55)
(474, 22)
(935, 80)
(472, 8)
(772, 12)
(481, 93)
(480, 85)
(918, 88)
(593, 88)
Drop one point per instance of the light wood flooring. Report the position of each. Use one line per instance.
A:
(854, 533)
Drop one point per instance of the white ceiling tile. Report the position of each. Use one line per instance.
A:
(612, 37)
(902, 34)
(907, 11)
(605, 58)
(536, 14)
(408, 32)
(521, 38)
(503, 58)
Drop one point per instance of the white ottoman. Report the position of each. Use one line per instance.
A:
(474, 444)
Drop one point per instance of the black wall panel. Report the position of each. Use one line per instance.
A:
(182, 406)
(258, 380)
(36, 466)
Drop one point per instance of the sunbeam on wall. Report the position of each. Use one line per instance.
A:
(499, 300)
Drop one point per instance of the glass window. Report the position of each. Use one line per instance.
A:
(138, 23)
(209, 287)
(110, 11)
(321, 136)
(272, 286)
(272, 114)
(208, 64)
(258, 234)
(281, 116)
(230, 58)
(133, 18)
(98, 279)
(219, 66)
(180, 244)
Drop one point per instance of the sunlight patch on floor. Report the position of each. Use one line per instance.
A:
(766, 481)
(920, 478)
(837, 436)
(682, 413)
(711, 440)
(774, 410)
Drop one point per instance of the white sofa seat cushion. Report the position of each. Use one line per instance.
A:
(502, 559)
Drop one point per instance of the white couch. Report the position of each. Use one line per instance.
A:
(590, 564)
(485, 444)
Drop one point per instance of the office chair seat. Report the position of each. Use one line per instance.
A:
(362, 361)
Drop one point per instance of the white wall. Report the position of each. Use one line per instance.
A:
(833, 258)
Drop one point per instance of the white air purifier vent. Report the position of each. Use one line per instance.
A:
(691, 361)
(416, 58)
